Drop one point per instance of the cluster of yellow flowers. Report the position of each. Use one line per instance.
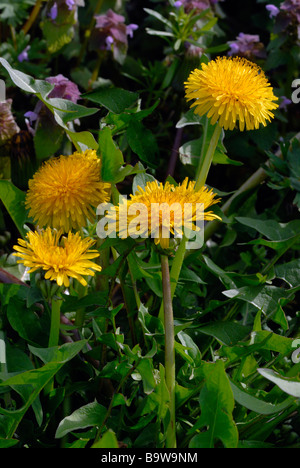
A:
(62, 195)
(65, 192)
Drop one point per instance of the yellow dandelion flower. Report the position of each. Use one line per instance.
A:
(65, 191)
(61, 257)
(159, 211)
(230, 90)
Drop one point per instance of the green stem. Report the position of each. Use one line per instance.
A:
(169, 350)
(206, 161)
(204, 138)
(33, 15)
(202, 173)
(55, 322)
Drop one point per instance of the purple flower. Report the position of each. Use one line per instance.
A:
(31, 116)
(111, 33)
(273, 10)
(24, 54)
(70, 4)
(53, 12)
(130, 29)
(247, 45)
(292, 7)
(178, 4)
(197, 5)
(63, 88)
(284, 103)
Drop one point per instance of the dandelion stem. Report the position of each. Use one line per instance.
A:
(55, 321)
(33, 15)
(169, 349)
(202, 173)
(206, 161)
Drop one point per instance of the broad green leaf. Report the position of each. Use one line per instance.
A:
(278, 234)
(272, 341)
(116, 100)
(25, 322)
(142, 142)
(228, 333)
(108, 440)
(255, 404)
(189, 118)
(14, 201)
(89, 415)
(145, 368)
(66, 110)
(59, 34)
(141, 180)
(26, 82)
(6, 443)
(47, 138)
(60, 354)
(289, 272)
(83, 139)
(268, 299)
(34, 380)
(217, 404)
(287, 385)
(111, 157)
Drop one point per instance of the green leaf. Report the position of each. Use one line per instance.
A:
(289, 272)
(108, 440)
(228, 333)
(111, 157)
(6, 443)
(34, 381)
(141, 180)
(58, 35)
(268, 299)
(14, 201)
(145, 368)
(191, 349)
(279, 234)
(190, 118)
(59, 354)
(85, 140)
(89, 415)
(142, 141)
(116, 100)
(287, 385)
(217, 404)
(255, 404)
(158, 16)
(273, 342)
(25, 322)
(26, 82)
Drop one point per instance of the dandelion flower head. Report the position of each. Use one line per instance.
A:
(60, 257)
(230, 91)
(65, 191)
(163, 210)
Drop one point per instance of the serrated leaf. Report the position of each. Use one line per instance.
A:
(217, 404)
